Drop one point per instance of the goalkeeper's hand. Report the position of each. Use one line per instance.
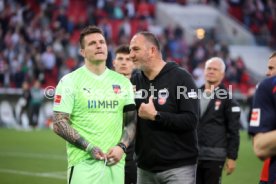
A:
(95, 152)
(114, 155)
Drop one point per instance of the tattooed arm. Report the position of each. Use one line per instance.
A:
(64, 130)
(130, 122)
(115, 154)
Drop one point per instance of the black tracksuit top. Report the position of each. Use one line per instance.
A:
(218, 128)
(172, 141)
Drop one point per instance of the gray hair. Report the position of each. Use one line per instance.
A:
(222, 64)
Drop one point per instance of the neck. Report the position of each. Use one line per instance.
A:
(97, 67)
(211, 86)
(154, 69)
(127, 75)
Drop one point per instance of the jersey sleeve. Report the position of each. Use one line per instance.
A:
(129, 104)
(64, 95)
(129, 100)
(263, 116)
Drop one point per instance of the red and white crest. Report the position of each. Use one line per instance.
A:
(116, 88)
(163, 94)
(217, 104)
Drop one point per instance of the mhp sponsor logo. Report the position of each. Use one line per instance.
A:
(102, 104)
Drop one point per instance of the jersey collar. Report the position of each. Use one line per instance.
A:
(98, 77)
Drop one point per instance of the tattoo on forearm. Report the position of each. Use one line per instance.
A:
(63, 129)
(130, 121)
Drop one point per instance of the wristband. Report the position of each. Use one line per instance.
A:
(158, 117)
(123, 146)
(89, 148)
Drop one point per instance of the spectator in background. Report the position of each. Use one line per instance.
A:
(218, 128)
(198, 74)
(143, 9)
(25, 100)
(124, 65)
(48, 59)
(124, 31)
(235, 9)
(37, 98)
(4, 75)
(106, 26)
(19, 77)
(130, 9)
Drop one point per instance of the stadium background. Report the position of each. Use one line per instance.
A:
(39, 42)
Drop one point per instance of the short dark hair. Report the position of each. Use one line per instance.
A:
(151, 38)
(272, 55)
(124, 49)
(89, 30)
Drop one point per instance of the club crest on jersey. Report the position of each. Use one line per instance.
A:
(57, 99)
(217, 105)
(116, 88)
(163, 94)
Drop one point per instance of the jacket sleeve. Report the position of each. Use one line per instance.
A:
(187, 115)
(232, 114)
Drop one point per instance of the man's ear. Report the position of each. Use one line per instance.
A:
(113, 63)
(153, 50)
(81, 51)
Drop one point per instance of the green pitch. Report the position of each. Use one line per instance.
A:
(39, 157)
(35, 157)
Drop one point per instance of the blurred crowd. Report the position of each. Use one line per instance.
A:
(258, 16)
(40, 38)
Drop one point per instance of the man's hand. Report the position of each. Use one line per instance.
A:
(114, 155)
(230, 166)
(147, 111)
(264, 144)
(95, 152)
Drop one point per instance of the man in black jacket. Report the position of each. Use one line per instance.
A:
(218, 129)
(166, 99)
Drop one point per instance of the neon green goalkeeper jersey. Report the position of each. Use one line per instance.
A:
(95, 104)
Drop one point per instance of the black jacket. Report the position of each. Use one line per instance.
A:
(218, 128)
(172, 141)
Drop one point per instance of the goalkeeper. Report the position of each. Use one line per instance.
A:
(94, 111)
